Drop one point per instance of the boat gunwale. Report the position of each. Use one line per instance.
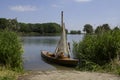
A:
(70, 62)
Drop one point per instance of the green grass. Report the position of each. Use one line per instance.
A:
(7, 74)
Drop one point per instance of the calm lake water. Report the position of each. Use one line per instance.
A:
(33, 45)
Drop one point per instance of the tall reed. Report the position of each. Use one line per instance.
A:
(10, 50)
(99, 50)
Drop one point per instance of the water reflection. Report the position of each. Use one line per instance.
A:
(34, 45)
(40, 40)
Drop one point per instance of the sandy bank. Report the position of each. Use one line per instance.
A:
(68, 75)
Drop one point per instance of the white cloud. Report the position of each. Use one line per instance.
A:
(22, 8)
(83, 0)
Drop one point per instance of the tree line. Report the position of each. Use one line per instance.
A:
(100, 29)
(88, 29)
(41, 28)
(75, 32)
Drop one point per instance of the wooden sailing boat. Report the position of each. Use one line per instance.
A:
(61, 55)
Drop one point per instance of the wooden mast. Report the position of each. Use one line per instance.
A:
(62, 19)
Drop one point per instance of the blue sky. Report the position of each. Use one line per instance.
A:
(77, 13)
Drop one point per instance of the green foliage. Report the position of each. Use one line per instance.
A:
(88, 66)
(40, 28)
(99, 49)
(88, 28)
(75, 32)
(3, 23)
(13, 25)
(10, 50)
(7, 74)
(9, 24)
(24, 28)
(103, 28)
(6, 78)
(116, 28)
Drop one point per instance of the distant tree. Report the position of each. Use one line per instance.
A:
(13, 25)
(9, 24)
(40, 28)
(24, 27)
(79, 32)
(103, 28)
(106, 27)
(88, 28)
(51, 28)
(3, 23)
(75, 32)
(98, 29)
(72, 32)
(116, 28)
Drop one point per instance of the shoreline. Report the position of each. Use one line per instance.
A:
(67, 75)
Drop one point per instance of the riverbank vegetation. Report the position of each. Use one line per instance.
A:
(75, 32)
(8, 74)
(44, 28)
(10, 55)
(29, 28)
(99, 52)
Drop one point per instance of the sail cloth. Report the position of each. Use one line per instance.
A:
(62, 44)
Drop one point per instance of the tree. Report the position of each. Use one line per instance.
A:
(40, 28)
(116, 28)
(24, 27)
(13, 25)
(75, 32)
(88, 28)
(106, 27)
(102, 29)
(98, 29)
(3, 23)
(9, 24)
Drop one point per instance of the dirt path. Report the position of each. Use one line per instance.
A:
(68, 75)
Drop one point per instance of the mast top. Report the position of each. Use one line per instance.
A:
(62, 18)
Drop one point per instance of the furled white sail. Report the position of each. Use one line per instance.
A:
(62, 44)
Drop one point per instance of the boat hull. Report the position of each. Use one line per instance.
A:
(63, 61)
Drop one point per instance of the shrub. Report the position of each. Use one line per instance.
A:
(99, 49)
(10, 50)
